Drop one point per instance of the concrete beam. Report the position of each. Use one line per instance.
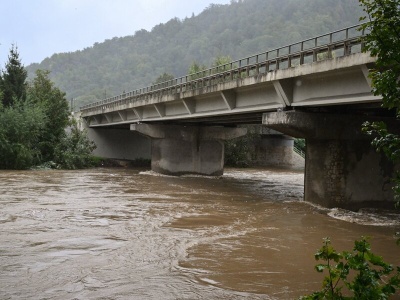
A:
(229, 97)
(152, 131)
(365, 71)
(160, 108)
(109, 118)
(188, 133)
(322, 125)
(284, 89)
(138, 112)
(190, 105)
(123, 115)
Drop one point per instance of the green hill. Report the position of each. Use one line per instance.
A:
(239, 29)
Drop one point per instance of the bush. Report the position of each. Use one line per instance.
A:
(240, 152)
(20, 127)
(359, 273)
(75, 150)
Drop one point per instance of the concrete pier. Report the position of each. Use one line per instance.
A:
(275, 149)
(342, 168)
(178, 150)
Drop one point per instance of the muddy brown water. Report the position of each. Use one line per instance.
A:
(133, 234)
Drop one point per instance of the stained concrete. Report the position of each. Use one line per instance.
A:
(342, 169)
(178, 150)
(120, 144)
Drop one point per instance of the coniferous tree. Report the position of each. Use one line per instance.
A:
(13, 79)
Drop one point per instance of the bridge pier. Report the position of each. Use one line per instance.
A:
(342, 168)
(178, 150)
(274, 149)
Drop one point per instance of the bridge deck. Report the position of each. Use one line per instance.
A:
(325, 70)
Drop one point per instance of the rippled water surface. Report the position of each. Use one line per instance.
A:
(131, 234)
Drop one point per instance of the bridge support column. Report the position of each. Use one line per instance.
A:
(342, 168)
(178, 150)
(275, 149)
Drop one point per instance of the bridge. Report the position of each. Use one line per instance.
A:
(317, 89)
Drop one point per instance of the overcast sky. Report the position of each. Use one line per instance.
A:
(41, 28)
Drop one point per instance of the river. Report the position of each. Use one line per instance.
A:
(132, 234)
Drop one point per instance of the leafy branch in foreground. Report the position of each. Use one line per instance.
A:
(359, 274)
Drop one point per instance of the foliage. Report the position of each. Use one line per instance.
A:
(13, 79)
(358, 274)
(239, 152)
(221, 63)
(164, 78)
(300, 147)
(383, 41)
(55, 107)
(196, 71)
(239, 29)
(74, 150)
(32, 125)
(20, 130)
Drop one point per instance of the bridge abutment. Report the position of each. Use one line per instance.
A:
(342, 168)
(178, 150)
(121, 144)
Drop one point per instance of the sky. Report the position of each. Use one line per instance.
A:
(40, 28)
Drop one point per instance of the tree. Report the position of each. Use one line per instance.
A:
(221, 63)
(74, 150)
(383, 42)
(13, 79)
(52, 101)
(196, 70)
(164, 78)
(20, 121)
(20, 129)
(33, 119)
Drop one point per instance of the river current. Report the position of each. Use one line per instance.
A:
(133, 234)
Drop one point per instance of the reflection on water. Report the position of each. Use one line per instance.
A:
(127, 234)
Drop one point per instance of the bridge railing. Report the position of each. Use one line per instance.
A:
(337, 43)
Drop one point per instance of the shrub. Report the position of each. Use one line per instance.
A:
(358, 274)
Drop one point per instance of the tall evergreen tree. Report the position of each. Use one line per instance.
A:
(13, 79)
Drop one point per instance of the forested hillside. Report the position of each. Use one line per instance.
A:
(239, 29)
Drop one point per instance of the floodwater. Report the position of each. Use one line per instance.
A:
(133, 234)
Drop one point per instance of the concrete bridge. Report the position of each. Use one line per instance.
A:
(317, 89)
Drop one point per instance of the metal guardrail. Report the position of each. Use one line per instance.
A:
(299, 151)
(310, 50)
